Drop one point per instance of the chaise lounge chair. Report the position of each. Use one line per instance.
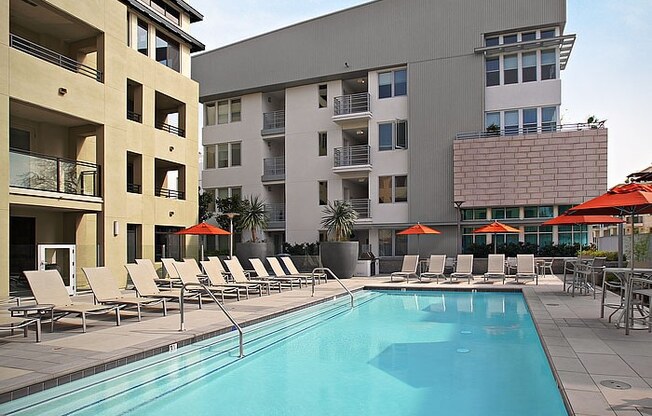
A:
(495, 267)
(525, 268)
(159, 280)
(239, 276)
(215, 275)
(464, 267)
(189, 273)
(10, 323)
(261, 273)
(106, 291)
(142, 276)
(289, 265)
(280, 272)
(409, 268)
(48, 288)
(435, 268)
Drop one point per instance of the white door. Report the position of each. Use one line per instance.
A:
(60, 257)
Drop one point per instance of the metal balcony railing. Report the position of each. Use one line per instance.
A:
(274, 168)
(170, 129)
(47, 173)
(274, 121)
(53, 57)
(352, 104)
(548, 127)
(134, 116)
(170, 193)
(275, 212)
(133, 188)
(361, 206)
(352, 156)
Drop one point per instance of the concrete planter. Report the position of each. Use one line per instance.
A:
(248, 250)
(339, 256)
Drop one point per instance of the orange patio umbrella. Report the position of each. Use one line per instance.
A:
(418, 229)
(496, 228)
(203, 229)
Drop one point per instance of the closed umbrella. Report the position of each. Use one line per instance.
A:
(418, 229)
(496, 228)
(203, 229)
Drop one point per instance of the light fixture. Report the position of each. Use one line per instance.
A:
(346, 64)
(116, 228)
(171, 213)
(359, 132)
(361, 80)
(171, 148)
(63, 91)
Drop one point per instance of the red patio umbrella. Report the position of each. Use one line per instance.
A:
(496, 228)
(418, 229)
(203, 229)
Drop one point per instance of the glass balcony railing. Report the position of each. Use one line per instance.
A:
(545, 127)
(47, 173)
(275, 213)
(349, 156)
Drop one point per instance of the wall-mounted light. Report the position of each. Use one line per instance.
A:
(269, 99)
(116, 228)
(171, 213)
(346, 64)
(171, 148)
(63, 91)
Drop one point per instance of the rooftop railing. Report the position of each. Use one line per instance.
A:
(361, 206)
(352, 104)
(352, 156)
(170, 129)
(274, 121)
(550, 127)
(48, 173)
(170, 193)
(53, 57)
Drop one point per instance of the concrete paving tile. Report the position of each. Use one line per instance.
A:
(9, 372)
(557, 351)
(625, 347)
(641, 364)
(605, 364)
(572, 332)
(556, 341)
(589, 403)
(568, 364)
(639, 395)
(589, 345)
(577, 381)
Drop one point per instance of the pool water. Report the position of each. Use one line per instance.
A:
(395, 353)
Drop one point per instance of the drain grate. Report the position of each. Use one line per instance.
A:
(616, 385)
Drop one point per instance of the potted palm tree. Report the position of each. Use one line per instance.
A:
(339, 254)
(253, 217)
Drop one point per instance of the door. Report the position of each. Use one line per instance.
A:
(22, 251)
(60, 257)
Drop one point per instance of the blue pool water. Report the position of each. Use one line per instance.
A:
(395, 353)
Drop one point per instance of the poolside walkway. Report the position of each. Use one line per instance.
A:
(584, 350)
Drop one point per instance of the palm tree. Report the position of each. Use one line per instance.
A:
(253, 216)
(338, 218)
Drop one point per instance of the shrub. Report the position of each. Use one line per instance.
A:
(301, 249)
(610, 255)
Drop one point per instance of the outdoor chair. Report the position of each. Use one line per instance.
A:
(639, 296)
(570, 266)
(48, 288)
(495, 267)
(11, 323)
(408, 268)
(216, 278)
(188, 273)
(525, 268)
(261, 273)
(106, 291)
(583, 272)
(597, 269)
(239, 276)
(617, 286)
(546, 267)
(159, 280)
(436, 266)
(168, 268)
(510, 264)
(280, 272)
(143, 277)
(463, 268)
(292, 269)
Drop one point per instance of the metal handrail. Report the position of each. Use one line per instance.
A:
(170, 129)
(228, 315)
(170, 193)
(360, 205)
(324, 270)
(546, 127)
(352, 103)
(274, 120)
(352, 155)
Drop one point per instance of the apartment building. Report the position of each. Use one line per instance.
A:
(444, 113)
(99, 158)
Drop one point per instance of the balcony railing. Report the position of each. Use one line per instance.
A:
(134, 116)
(274, 122)
(522, 131)
(274, 168)
(361, 206)
(133, 188)
(352, 104)
(275, 214)
(170, 193)
(47, 173)
(352, 156)
(48, 55)
(170, 129)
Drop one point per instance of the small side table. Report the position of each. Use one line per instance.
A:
(41, 309)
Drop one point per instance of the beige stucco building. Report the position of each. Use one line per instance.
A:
(98, 162)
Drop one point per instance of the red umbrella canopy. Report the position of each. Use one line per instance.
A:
(496, 228)
(633, 198)
(203, 229)
(582, 219)
(417, 229)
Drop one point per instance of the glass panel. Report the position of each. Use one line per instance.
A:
(323, 96)
(401, 135)
(236, 192)
(323, 143)
(236, 106)
(385, 242)
(529, 67)
(492, 67)
(161, 49)
(385, 189)
(563, 208)
(530, 120)
(400, 82)
(511, 238)
(401, 245)
(222, 193)
(548, 64)
(210, 114)
(491, 41)
(531, 212)
(547, 34)
(222, 155)
(142, 37)
(492, 122)
(548, 118)
(510, 64)
(507, 39)
(235, 154)
(209, 152)
(385, 136)
(481, 239)
(546, 212)
(323, 193)
(19, 139)
(545, 239)
(480, 214)
(511, 122)
(384, 85)
(400, 192)
(498, 213)
(512, 212)
(528, 36)
(223, 112)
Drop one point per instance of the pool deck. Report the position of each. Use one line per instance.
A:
(584, 350)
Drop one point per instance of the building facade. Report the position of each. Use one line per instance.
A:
(99, 158)
(408, 110)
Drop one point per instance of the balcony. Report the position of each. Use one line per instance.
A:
(352, 159)
(273, 123)
(53, 174)
(550, 127)
(53, 57)
(352, 107)
(361, 206)
(170, 129)
(273, 169)
(134, 116)
(276, 215)
(134, 188)
(170, 193)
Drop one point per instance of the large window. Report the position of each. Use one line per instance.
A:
(511, 122)
(492, 67)
(492, 122)
(474, 214)
(529, 69)
(393, 135)
(530, 120)
(549, 118)
(392, 83)
(323, 192)
(229, 192)
(228, 111)
(167, 51)
(572, 234)
(505, 213)
(323, 96)
(548, 64)
(538, 212)
(322, 137)
(209, 118)
(142, 37)
(469, 237)
(510, 69)
(391, 244)
(228, 155)
(541, 236)
(392, 189)
(166, 243)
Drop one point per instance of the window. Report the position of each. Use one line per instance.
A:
(134, 238)
(142, 37)
(507, 39)
(549, 118)
(229, 192)
(541, 236)
(528, 36)
(492, 67)
(538, 212)
(572, 234)
(400, 189)
(392, 83)
(392, 189)
(547, 34)
(235, 154)
(563, 208)
(491, 41)
(323, 143)
(223, 112)
(393, 135)
(134, 173)
(167, 51)
(511, 122)
(228, 111)
(510, 69)
(209, 118)
(209, 157)
(492, 122)
(474, 214)
(469, 237)
(548, 64)
(323, 96)
(165, 10)
(228, 155)
(236, 110)
(19, 139)
(391, 244)
(167, 243)
(323, 193)
(530, 120)
(384, 189)
(505, 213)
(529, 69)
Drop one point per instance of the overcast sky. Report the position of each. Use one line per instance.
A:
(609, 73)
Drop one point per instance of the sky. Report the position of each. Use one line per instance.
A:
(609, 74)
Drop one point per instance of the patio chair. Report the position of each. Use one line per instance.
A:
(168, 268)
(106, 291)
(463, 268)
(159, 280)
(280, 272)
(142, 276)
(188, 273)
(615, 285)
(525, 268)
(583, 271)
(48, 288)
(11, 323)
(597, 269)
(546, 267)
(436, 266)
(261, 273)
(289, 265)
(216, 278)
(495, 267)
(408, 268)
(239, 276)
(510, 264)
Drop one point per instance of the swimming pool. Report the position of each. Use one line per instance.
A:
(395, 353)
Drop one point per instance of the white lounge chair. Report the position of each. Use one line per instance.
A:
(261, 273)
(495, 267)
(169, 282)
(525, 268)
(188, 273)
(289, 265)
(435, 268)
(280, 272)
(463, 267)
(408, 268)
(239, 276)
(215, 274)
(143, 277)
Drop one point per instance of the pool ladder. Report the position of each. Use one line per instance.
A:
(327, 270)
(228, 315)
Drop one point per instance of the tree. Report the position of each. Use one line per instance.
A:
(338, 218)
(224, 205)
(253, 216)
(205, 202)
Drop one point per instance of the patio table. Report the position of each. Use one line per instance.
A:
(624, 273)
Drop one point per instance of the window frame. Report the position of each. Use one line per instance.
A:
(322, 96)
(322, 186)
(220, 149)
(388, 88)
(227, 105)
(394, 198)
(388, 238)
(322, 143)
(394, 143)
